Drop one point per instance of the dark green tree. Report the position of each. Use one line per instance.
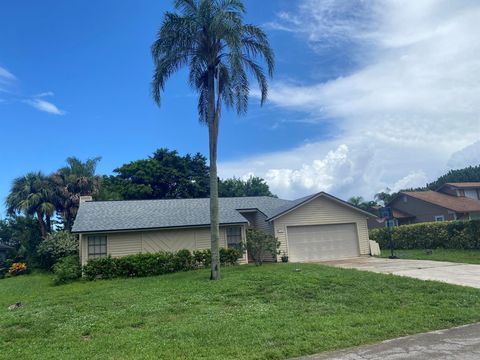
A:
(468, 174)
(359, 202)
(384, 197)
(210, 38)
(23, 234)
(165, 175)
(254, 186)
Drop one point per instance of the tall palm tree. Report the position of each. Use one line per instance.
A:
(33, 195)
(211, 39)
(75, 179)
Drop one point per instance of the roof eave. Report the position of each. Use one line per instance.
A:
(154, 228)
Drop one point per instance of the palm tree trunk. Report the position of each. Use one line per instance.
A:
(48, 224)
(41, 222)
(212, 138)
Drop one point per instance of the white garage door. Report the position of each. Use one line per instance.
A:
(322, 242)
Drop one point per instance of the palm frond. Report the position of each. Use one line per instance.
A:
(257, 71)
(186, 6)
(210, 37)
(255, 41)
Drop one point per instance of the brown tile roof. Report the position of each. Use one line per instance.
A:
(458, 204)
(464, 185)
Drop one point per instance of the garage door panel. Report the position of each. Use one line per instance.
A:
(322, 242)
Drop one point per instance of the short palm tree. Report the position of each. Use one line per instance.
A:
(75, 179)
(33, 195)
(211, 39)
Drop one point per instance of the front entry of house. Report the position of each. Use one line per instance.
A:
(322, 242)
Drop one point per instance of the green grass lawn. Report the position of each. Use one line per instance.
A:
(461, 256)
(269, 312)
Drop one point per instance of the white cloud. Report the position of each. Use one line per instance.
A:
(45, 106)
(401, 117)
(45, 94)
(6, 75)
(7, 80)
(470, 155)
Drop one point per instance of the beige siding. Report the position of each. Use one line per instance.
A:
(133, 242)
(168, 240)
(121, 244)
(318, 212)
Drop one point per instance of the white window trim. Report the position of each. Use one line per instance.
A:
(439, 217)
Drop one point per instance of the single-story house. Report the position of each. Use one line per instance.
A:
(316, 227)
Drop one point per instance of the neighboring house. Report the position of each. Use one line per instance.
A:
(315, 227)
(452, 201)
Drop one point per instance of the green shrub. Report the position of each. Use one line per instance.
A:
(260, 245)
(56, 246)
(447, 235)
(67, 270)
(202, 257)
(229, 256)
(104, 267)
(151, 264)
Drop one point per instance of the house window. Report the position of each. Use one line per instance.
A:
(97, 246)
(471, 193)
(405, 199)
(439, 218)
(234, 237)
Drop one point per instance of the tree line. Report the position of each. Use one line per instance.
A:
(52, 200)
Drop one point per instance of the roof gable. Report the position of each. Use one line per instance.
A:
(305, 200)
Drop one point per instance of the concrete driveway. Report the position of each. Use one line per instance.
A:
(452, 273)
(457, 343)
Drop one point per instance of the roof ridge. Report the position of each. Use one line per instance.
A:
(200, 198)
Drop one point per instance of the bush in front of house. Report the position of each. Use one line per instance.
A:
(446, 235)
(260, 245)
(67, 270)
(56, 246)
(228, 257)
(152, 264)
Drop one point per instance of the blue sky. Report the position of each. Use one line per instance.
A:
(364, 94)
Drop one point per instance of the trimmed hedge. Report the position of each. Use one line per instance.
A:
(446, 235)
(151, 264)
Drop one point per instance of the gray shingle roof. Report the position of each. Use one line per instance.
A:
(98, 216)
(290, 205)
